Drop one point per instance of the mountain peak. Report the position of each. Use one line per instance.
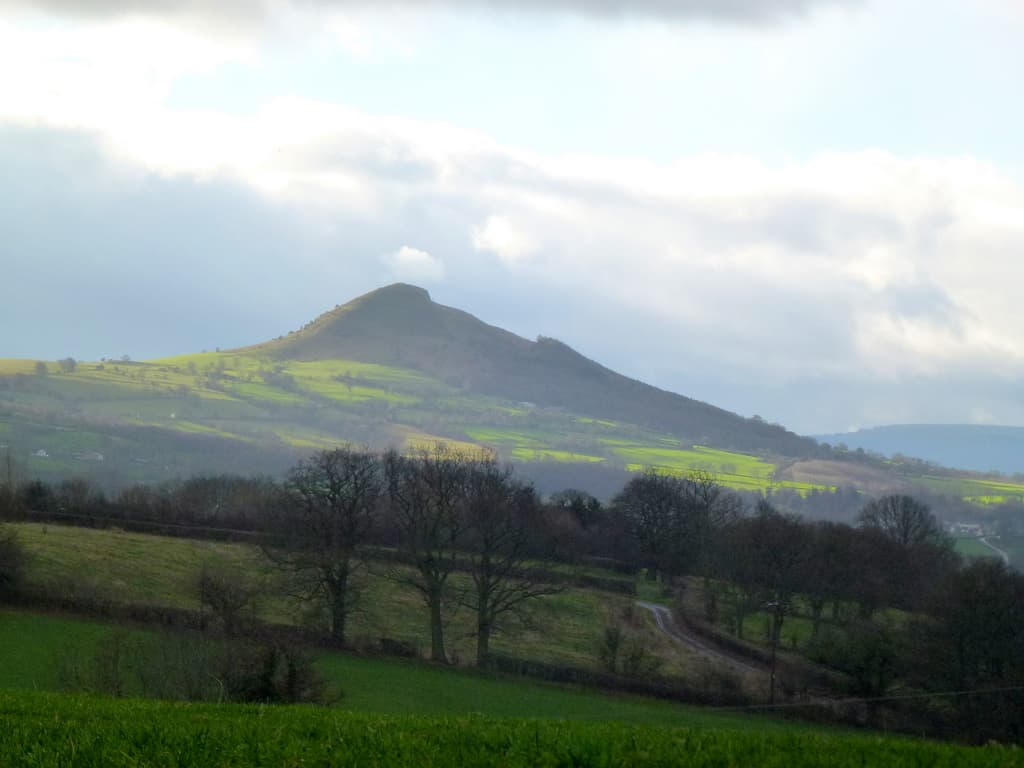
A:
(397, 292)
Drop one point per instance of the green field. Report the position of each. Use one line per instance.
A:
(52, 730)
(384, 686)
(972, 548)
(980, 491)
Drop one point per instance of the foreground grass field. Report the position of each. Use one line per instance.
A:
(50, 730)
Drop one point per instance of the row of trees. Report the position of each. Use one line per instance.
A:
(446, 511)
(427, 513)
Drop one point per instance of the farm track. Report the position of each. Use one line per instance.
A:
(997, 550)
(666, 623)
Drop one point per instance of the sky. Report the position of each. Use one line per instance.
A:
(808, 210)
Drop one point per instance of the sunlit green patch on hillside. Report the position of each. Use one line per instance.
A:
(532, 445)
(597, 422)
(234, 363)
(983, 490)
(11, 366)
(195, 428)
(734, 470)
(417, 441)
(114, 381)
(353, 393)
(301, 437)
(501, 437)
(669, 454)
(542, 454)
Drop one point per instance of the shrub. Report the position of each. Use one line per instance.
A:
(13, 560)
(187, 666)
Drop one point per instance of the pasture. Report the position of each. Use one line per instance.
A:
(125, 567)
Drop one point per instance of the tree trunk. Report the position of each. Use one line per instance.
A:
(436, 626)
(776, 633)
(741, 615)
(817, 608)
(483, 638)
(339, 606)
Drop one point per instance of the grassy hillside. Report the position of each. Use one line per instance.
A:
(565, 628)
(245, 412)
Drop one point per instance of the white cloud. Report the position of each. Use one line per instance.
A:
(409, 263)
(501, 237)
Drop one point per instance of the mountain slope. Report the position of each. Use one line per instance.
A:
(400, 325)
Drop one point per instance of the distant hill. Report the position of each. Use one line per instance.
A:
(400, 325)
(980, 448)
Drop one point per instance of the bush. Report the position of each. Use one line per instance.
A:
(390, 646)
(231, 596)
(626, 653)
(13, 560)
(187, 666)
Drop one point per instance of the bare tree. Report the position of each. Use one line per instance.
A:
(676, 519)
(334, 499)
(903, 519)
(769, 562)
(499, 515)
(650, 505)
(426, 490)
(231, 594)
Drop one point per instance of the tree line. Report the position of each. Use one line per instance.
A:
(906, 614)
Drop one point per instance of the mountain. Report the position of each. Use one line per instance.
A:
(400, 325)
(393, 368)
(982, 448)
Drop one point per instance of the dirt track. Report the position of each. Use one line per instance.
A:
(667, 624)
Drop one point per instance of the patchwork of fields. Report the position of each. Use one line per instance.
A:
(125, 421)
(295, 406)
